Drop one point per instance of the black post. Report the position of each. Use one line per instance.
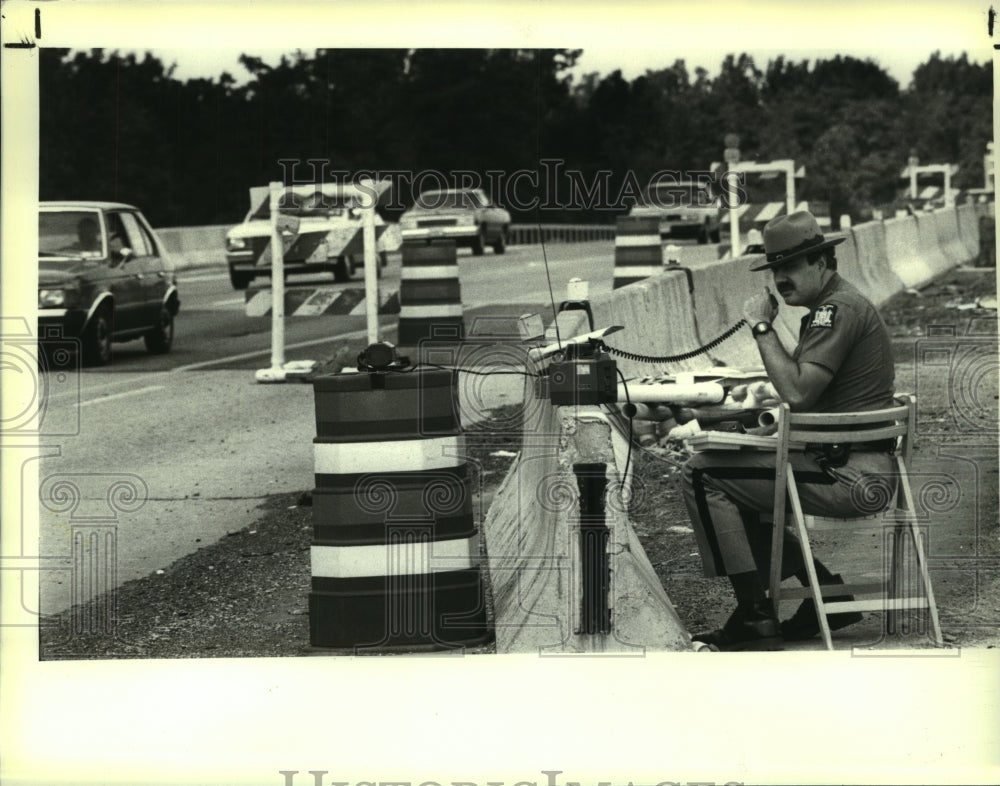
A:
(594, 533)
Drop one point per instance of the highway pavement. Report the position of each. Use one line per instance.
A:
(153, 457)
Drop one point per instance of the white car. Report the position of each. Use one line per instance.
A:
(328, 239)
(464, 215)
(685, 209)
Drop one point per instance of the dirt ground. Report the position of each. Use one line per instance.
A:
(247, 595)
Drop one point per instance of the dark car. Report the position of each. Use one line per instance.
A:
(103, 276)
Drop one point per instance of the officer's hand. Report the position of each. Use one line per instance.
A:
(762, 307)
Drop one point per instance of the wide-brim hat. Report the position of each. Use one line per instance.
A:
(791, 236)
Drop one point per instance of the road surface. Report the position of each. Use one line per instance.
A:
(153, 457)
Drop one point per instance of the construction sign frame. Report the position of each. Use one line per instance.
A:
(285, 231)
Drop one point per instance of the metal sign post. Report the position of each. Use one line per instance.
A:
(945, 169)
(786, 165)
(731, 155)
(276, 373)
(280, 224)
(371, 263)
(734, 223)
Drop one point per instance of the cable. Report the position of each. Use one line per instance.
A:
(418, 366)
(631, 436)
(729, 333)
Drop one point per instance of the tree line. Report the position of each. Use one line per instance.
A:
(121, 127)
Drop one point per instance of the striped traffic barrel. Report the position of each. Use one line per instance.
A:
(395, 553)
(430, 296)
(638, 253)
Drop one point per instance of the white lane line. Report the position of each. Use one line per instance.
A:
(114, 396)
(233, 301)
(263, 352)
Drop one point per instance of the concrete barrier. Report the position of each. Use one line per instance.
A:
(902, 243)
(195, 246)
(968, 229)
(720, 289)
(873, 275)
(533, 234)
(929, 247)
(659, 320)
(686, 254)
(951, 245)
(538, 558)
(206, 246)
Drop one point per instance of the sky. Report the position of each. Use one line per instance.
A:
(632, 37)
(210, 64)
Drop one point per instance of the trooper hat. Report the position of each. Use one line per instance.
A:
(789, 237)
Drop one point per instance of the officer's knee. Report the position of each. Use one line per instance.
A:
(694, 464)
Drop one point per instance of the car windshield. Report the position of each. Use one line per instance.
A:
(316, 204)
(669, 195)
(429, 200)
(70, 233)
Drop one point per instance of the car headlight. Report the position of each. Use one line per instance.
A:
(235, 244)
(52, 298)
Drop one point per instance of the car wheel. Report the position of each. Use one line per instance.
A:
(342, 270)
(703, 236)
(97, 339)
(161, 338)
(501, 245)
(715, 236)
(478, 244)
(240, 280)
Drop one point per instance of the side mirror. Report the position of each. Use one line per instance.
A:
(122, 255)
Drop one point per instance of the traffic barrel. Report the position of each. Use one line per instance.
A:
(430, 296)
(395, 559)
(638, 253)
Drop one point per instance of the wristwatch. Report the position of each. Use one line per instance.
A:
(761, 328)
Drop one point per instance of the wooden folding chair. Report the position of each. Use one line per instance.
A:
(796, 429)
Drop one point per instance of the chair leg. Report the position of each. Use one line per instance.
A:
(777, 540)
(925, 579)
(807, 557)
(905, 494)
(897, 580)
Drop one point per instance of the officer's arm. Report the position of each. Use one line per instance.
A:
(800, 384)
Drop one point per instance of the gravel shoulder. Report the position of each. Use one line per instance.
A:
(247, 594)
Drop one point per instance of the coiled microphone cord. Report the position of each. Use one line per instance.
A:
(729, 333)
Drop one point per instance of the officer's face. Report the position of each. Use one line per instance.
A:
(798, 282)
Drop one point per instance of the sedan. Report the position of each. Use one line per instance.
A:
(103, 276)
(464, 215)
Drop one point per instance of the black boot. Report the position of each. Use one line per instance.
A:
(804, 624)
(748, 628)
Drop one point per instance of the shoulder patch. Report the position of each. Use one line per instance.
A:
(824, 316)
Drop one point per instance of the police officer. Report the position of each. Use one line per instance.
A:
(842, 363)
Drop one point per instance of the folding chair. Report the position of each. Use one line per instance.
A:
(795, 430)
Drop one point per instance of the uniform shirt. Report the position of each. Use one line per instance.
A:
(845, 334)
